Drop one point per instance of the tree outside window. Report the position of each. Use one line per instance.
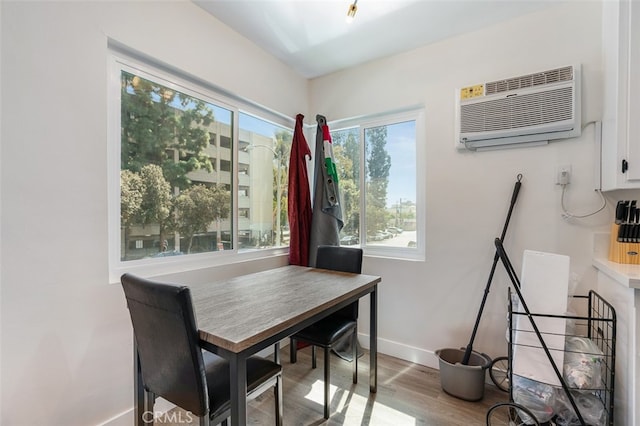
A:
(200, 175)
(170, 192)
(387, 152)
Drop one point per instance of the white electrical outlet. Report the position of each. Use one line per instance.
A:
(563, 175)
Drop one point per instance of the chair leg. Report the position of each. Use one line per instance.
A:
(313, 356)
(149, 402)
(327, 363)
(354, 347)
(293, 350)
(278, 397)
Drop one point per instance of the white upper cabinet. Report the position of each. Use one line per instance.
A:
(621, 109)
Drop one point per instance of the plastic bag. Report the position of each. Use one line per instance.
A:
(570, 324)
(590, 407)
(583, 363)
(538, 397)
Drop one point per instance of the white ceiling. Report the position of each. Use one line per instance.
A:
(313, 37)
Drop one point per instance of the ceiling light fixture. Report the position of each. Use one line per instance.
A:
(351, 13)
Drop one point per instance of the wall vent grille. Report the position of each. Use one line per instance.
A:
(537, 79)
(518, 111)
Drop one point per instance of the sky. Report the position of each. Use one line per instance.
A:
(401, 146)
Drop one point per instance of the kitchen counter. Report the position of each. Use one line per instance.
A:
(624, 274)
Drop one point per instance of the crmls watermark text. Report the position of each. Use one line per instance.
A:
(160, 417)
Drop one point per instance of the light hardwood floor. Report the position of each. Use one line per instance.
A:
(408, 394)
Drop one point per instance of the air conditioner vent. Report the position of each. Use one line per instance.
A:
(531, 80)
(530, 109)
(517, 111)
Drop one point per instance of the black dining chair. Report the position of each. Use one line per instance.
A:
(173, 364)
(332, 330)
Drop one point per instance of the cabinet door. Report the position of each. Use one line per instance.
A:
(633, 116)
(620, 153)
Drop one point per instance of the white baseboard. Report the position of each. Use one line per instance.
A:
(123, 419)
(161, 413)
(402, 351)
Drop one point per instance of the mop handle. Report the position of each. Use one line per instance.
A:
(514, 197)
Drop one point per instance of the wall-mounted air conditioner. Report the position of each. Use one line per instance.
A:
(530, 109)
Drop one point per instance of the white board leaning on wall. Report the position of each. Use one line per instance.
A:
(545, 289)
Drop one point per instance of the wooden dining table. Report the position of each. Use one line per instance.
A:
(240, 316)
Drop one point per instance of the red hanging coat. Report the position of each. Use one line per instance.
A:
(299, 201)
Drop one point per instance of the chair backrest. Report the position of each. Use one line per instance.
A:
(337, 258)
(166, 335)
(343, 259)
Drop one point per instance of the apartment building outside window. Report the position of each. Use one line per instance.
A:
(196, 173)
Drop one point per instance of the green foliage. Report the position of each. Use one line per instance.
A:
(378, 160)
(158, 122)
(197, 207)
(282, 151)
(346, 149)
(156, 199)
(164, 138)
(131, 195)
(351, 205)
(145, 198)
(347, 155)
(378, 166)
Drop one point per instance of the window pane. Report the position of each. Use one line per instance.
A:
(174, 198)
(390, 181)
(263, 160)
(346, 151)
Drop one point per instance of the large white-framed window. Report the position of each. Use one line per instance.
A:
(194, 174)
(382, 183)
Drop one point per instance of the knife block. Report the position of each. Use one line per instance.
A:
(622, 252)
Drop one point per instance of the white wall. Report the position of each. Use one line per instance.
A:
(424, 306)
(66, 339)
(0, 213)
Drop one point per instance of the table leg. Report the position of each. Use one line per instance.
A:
(238, 380)
(373, 341)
